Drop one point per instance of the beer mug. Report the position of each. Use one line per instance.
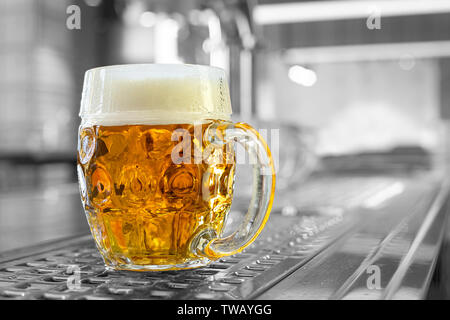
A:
(156, 164)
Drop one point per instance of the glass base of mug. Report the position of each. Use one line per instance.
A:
(202, 262)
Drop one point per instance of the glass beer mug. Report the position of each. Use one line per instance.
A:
(156, 164)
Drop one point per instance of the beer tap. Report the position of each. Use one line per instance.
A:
(239, 36)
(294, 159)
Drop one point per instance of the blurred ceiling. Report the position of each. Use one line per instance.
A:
(299, 24)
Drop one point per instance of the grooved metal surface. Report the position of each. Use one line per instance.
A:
(76, 270)
(313, 252)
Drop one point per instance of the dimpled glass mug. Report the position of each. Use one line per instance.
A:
(156, 163)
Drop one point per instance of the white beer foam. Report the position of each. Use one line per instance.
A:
(154, 94)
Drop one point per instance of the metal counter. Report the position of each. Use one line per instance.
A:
(335, 245)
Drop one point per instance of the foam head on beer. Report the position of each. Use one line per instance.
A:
(154, 94)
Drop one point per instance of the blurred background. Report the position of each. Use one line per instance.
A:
(355, 80)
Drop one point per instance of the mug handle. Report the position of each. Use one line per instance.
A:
(258, 212)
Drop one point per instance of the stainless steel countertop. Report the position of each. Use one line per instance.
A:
(35, 216)
(386, 252)
(391, 255)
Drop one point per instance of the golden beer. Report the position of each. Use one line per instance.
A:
(156, 166)
(142, 207)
